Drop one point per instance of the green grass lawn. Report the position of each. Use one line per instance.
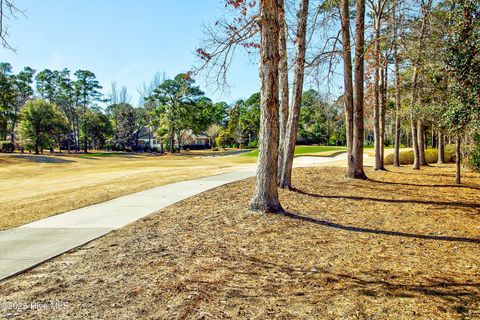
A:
(105, 154)
(304, 150)
(386, 147)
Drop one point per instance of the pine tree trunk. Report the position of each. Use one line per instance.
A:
(416, 152)
(78, 135)
(458, 159)
(376, 97)
(293, 115)
(179, 140)
(282, 82)
(357, 172)
(434, 138)
(415, 133)
(265, 196)
(396, 157)
(172, 139)
(37, 134)
(421, 143)
(383, 108)
(4, 130)
(441, 147)
(347, 78)
(12, 132)
(416, 158)
(398, 103)
(84, 134)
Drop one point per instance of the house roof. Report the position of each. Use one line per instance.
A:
(199, 136)
(144, 132)
(190, 134)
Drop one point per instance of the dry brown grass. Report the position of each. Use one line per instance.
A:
(404, 245)
(34, 187)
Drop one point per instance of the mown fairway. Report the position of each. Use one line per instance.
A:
(33, 187)
(306, 150)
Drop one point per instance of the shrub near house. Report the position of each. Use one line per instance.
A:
(7, 146)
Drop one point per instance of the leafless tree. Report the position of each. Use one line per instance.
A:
(146, 90)
(8, 11)
(238, 29)
(119, 96)
(213, 131)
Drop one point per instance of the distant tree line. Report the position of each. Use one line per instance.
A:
(58, 110)
(320, 122)
(52, 109)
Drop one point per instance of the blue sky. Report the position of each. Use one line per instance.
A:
(121, 40)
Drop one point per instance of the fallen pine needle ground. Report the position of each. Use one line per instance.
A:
(403, 245)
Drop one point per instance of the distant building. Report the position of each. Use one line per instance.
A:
(146, 137)
(189, 140)
(194, 141)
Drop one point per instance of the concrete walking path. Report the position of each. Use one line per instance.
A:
(29, 245)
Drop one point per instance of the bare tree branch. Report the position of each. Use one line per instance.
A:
(8, 10)
(222, 41)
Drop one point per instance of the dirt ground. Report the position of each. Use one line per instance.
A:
(403, 245)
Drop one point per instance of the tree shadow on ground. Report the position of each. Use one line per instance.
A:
(425, 202)
(42, 159)
(427, 185)
(426, 173)
(334, 225)
(460, 296)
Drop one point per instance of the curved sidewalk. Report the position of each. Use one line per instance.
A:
(27, 246)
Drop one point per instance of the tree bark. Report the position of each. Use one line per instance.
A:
(172, 139)
(85, 143)
(433, 138)
(458, 159)
(383, 108)
(376, 96)
(282, 82)
(265, 196)
(293, 115)
(441, 147)
(357, 172)
(347, 78)
(416, 155)
(415, 134)
(421, 143)
(14, 123)
(5, 129)
(78, 134)
(37, 133)
(396, 158)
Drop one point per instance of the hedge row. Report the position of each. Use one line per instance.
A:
(431, 155)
